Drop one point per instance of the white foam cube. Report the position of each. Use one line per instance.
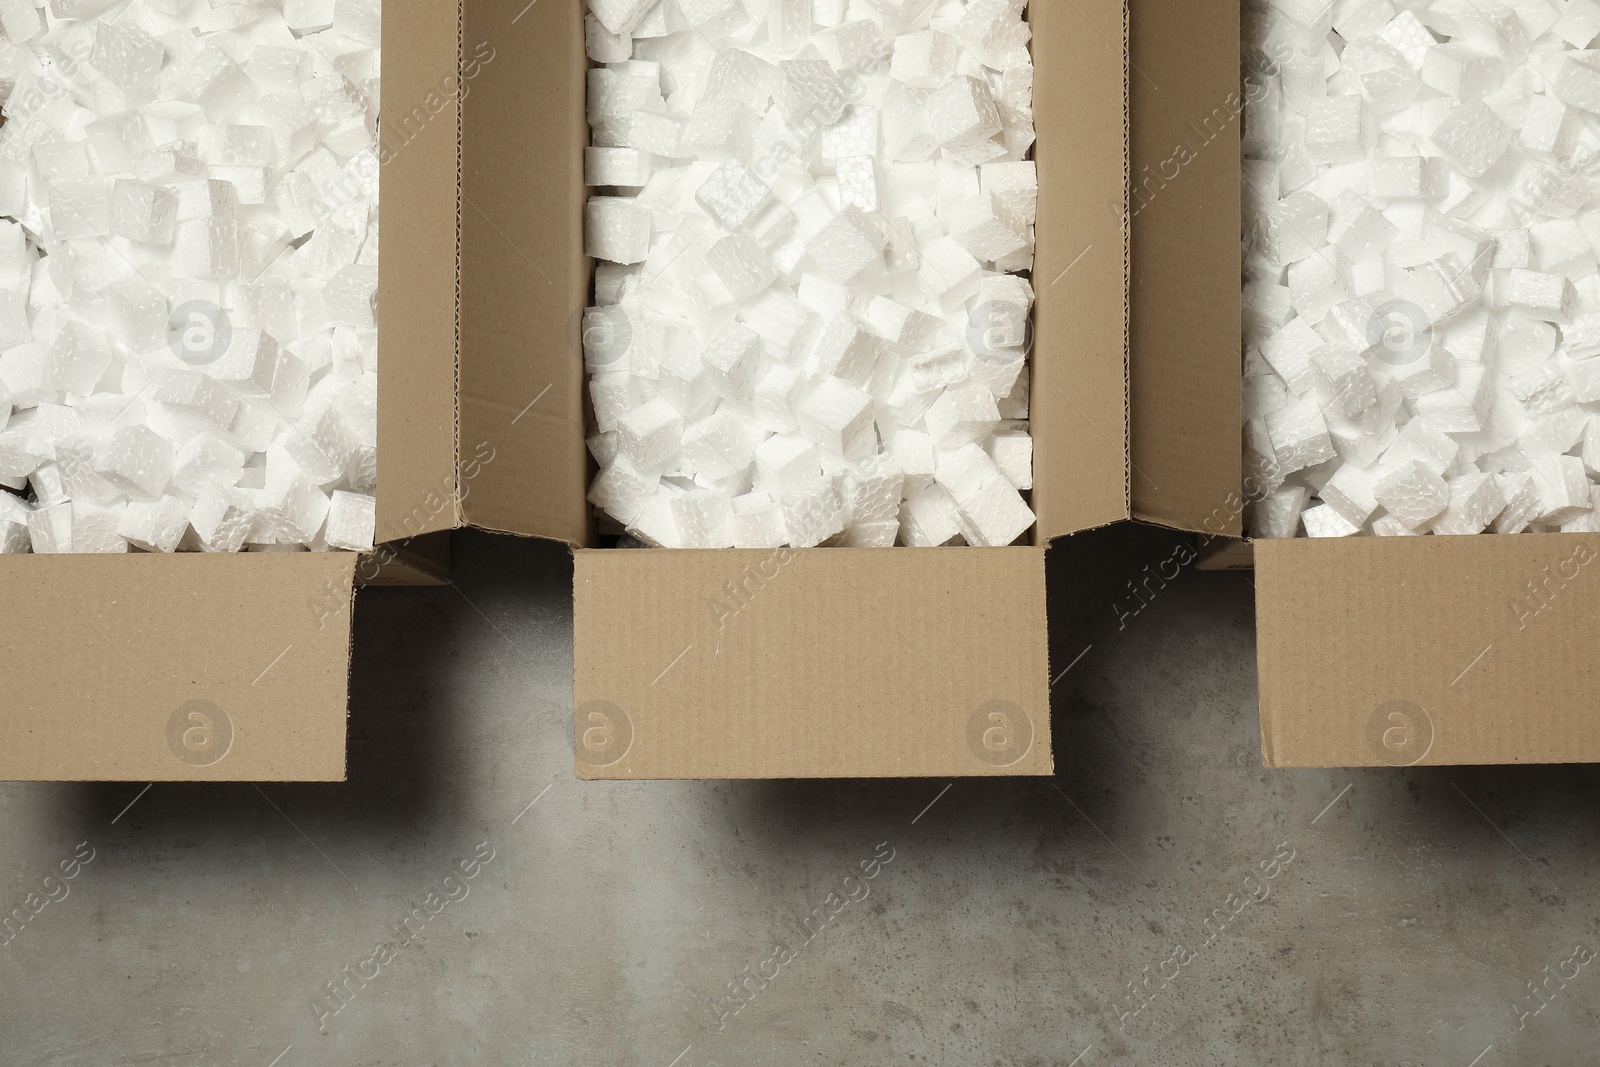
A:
(813, 513)
(1473, 138)
(1278, 514)
(758, 522)
(602, 45)
(847, 245)
(776, 397)
(1577, 82)
(1522, 502)
(1333, 132)
(961, 416)
(1299, 435)
(50, 528)
(249, 360)
(929, 518)
(351, 521)
(843, 349)
(1412, 493)
(655, 133)
(154, 525)
(351, 296)
(718, 446)
(197, 394)
(1550, 297)
(949, 273)
(1324, 521)
(732, 194)
(1561, 487)
(731, 360)
(962, 112)
(1014, 185)
(137, 460)
(742, 265)
(994, 515)
(620, 16)
(837, 417)
(855, 134)
(622, 490)
(858, 182)
(785, 462)
(1475, 500)
(616, 166)
(206, 248)
(1352, 492)
(77, 359)
(141, 212)
(290, 508)
(984, 229)
(811, 92)
(651, 435)
(616, 228)
(923, 60)
(13, 519)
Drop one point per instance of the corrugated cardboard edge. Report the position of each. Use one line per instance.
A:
(1184, 209)
(1127, 259)
(1395, 651)
(811, 663)
(1080, 352)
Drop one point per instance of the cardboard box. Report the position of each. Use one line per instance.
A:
(1371, 651)
(820, 662)
(235, 667)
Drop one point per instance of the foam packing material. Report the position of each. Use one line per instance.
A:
(188, 271)
(814, 227)
(1421, 295)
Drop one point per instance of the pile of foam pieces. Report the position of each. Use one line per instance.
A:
(1421, 301)
(188, 270)
(814, 226)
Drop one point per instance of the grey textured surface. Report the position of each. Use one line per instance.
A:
(1417, 906)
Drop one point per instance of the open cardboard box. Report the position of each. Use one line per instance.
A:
(1371, 651)
(236, 667)
(823, 662)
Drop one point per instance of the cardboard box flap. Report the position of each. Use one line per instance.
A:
(1078, 401)
(1432, 650)
(833, 663)
(417, 156)
(194, 666)
(1184, 203)
(524, 278)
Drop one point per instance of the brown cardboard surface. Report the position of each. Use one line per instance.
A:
(811, 663)
(1431, 650)
(192, 667)
(524, 278)
(1184, 326)
(417, 271)
(1079, 393)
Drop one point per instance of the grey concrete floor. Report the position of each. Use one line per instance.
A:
(1369, 917)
